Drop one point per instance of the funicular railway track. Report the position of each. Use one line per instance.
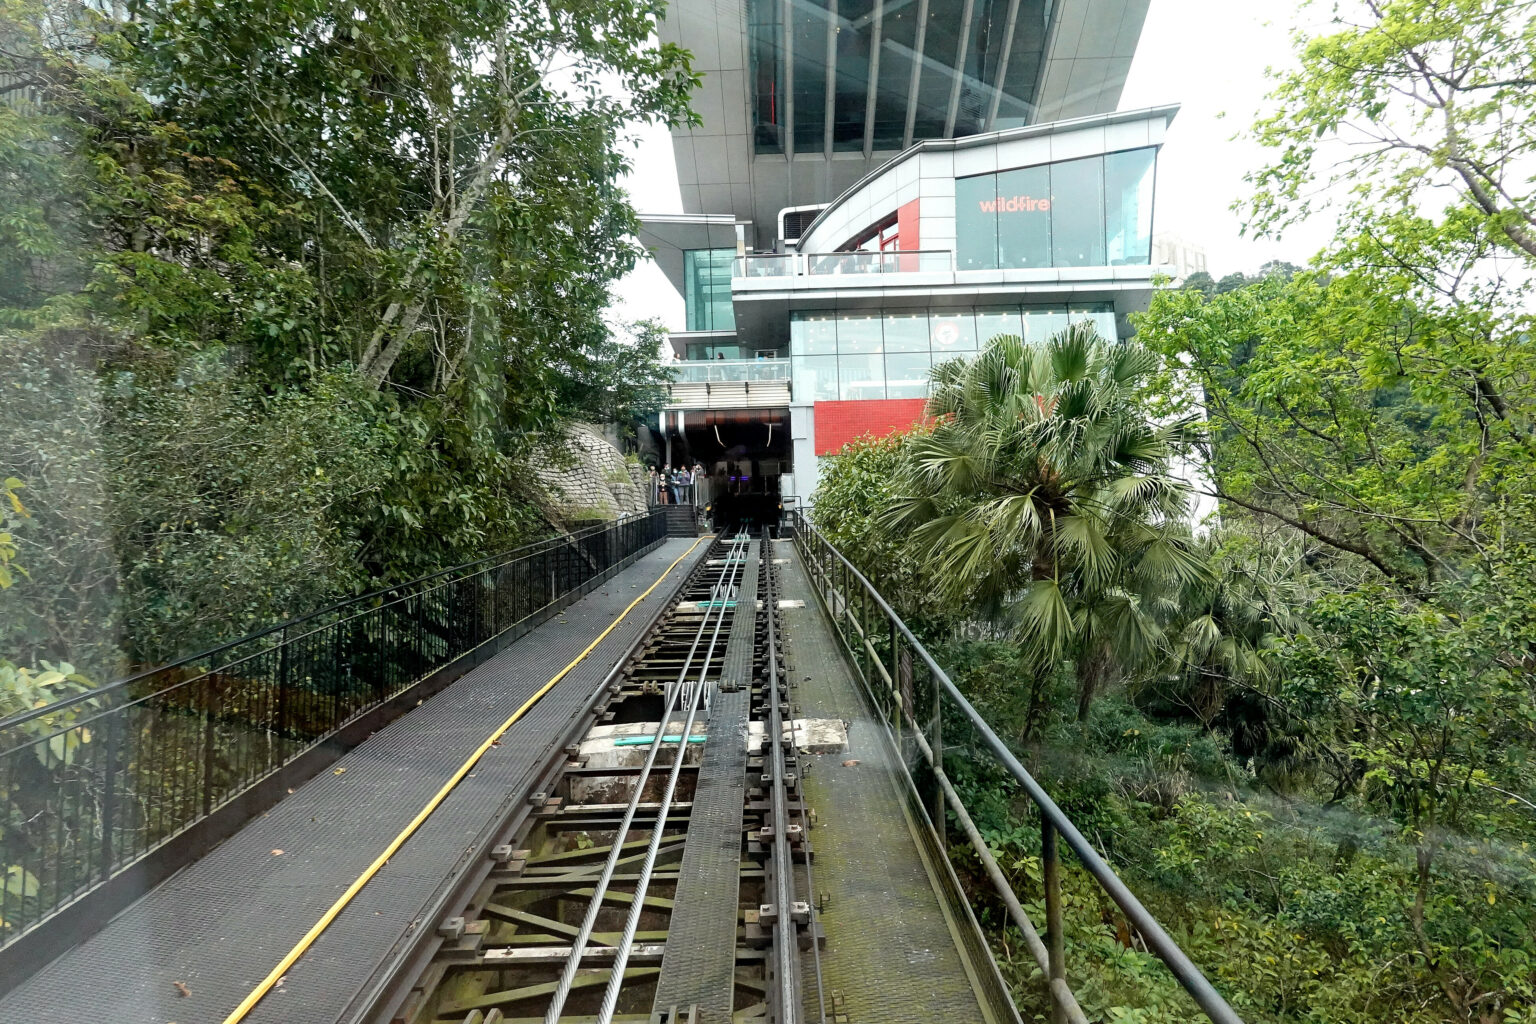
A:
(664, 874)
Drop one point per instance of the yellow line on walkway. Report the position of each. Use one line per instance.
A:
(256, 994)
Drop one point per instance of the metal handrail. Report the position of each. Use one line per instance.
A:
(729, 371)
(826, 561)
(852, 262)
(102, 788)
(368, 599)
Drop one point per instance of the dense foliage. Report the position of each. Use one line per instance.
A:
(290, 292)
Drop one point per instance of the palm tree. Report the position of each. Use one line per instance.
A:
(1043, 498)
(1220, 639)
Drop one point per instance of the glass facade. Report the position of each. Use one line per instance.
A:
(812, 22)
(1128, 179)
(860, 356)
(766, 32)
(707, 289)
(1092, 212)
(958, 65)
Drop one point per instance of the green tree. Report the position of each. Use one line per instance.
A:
(290, 289)
(1424, 96)
(1222, 629)
(607, 379)
(1044, 497)
(1389, 428)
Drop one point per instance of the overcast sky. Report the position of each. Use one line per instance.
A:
(1208, 56)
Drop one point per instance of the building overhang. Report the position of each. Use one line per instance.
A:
(668, 235)
(763, 305)
(680, 340)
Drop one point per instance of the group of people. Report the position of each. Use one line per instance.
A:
(675, 486)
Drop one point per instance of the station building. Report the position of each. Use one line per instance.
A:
(880, 185)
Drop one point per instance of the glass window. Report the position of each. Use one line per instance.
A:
(810, 49)
(1077, 212)
(1024, 217)
(1101, 316)
(898, 31)
(811, 335)
(1040, 324)
(982, 57)
(859, 334)
(1015, 108)
(707, 350)
(855, 37)
(766, 31)
(941, 47)
(860, 377)
(990, 323)
(814, 378)
(707, 289)
(951, 333)
(976, 222)
(906, 374)
(906, 332)
(1128, 204)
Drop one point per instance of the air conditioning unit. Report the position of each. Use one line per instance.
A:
(793, 220)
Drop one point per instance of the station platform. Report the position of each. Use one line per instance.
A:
(192, 949)
(895, 945)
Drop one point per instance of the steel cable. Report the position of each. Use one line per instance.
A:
(632, 923)
(579, 944)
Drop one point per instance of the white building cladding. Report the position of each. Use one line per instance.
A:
(801, 98)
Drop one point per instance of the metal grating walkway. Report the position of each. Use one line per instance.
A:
(217, 927)
(892, 954)
(699, 966)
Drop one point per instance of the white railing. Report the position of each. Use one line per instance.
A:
(820, 264)
(720, 371)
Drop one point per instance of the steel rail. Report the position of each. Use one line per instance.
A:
(1157, 939)
(734, 569)
(375, 1004)
(583, 937)
(783, 870)
(771, 603)
(810, 885)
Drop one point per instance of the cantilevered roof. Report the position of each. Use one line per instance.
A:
(669, 235)
(820, 92)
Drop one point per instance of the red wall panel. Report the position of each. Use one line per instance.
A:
(907, 221)
(837, 423)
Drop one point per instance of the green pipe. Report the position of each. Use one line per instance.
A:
(635, 741)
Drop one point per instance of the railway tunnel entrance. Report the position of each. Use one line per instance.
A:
(745, 454)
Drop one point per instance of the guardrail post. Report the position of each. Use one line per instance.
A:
(109, 741)
(280, 713)
(1055, 939)
(936, 744)
(208, 685)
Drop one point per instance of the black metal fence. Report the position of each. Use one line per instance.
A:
(916, 698)
(95, 783)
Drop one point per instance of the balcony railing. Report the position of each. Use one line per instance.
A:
(826, 264)
(723, 371)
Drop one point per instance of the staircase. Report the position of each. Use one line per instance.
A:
(681, 521)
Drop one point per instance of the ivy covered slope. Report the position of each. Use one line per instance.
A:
(290, 291)
(1311, 745)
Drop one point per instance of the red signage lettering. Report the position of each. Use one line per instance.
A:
(1015, 204)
